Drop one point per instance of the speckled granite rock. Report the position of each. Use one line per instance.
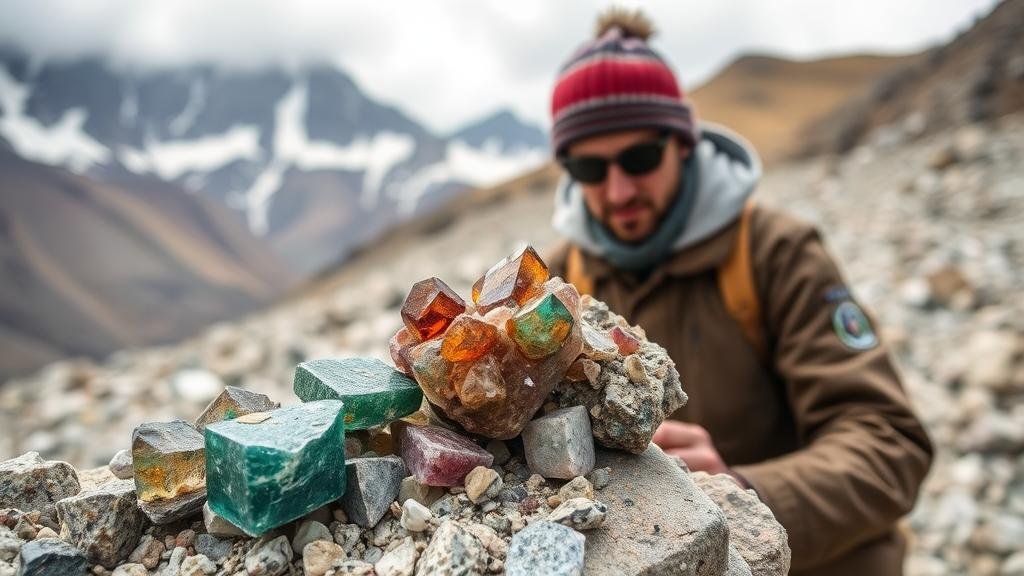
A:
(546, 549)
(453, 551)
(658, 521)
(30, 483)
(627, 396)
(753, 530)
(105, 523)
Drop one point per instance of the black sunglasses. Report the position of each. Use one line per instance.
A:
(637, 160)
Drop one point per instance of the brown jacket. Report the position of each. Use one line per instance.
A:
(824, 432)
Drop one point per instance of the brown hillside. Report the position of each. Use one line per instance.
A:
(771, 101)
(979, 76)
(89, 268)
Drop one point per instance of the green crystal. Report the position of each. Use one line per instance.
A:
(540, 328)
(373, 392)
(268, 473)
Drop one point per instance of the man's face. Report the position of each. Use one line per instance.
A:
(631, 206)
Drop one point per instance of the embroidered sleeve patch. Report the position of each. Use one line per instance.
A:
(852, 327)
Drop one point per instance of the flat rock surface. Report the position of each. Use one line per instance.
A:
(658, 521)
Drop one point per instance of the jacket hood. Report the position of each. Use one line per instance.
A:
(729, 170)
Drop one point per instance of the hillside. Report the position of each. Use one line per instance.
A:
(977, 77)
(90, 268)
(772, 101)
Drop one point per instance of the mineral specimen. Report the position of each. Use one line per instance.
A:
(105, 523)
(545, 549)
(491, 373)
(452, 550)
(48, 556)
(30, 483)
(232, 403)
(511, 282)
(430, 308)
(559, 444)
(373, 485)
(373, 392)
(263, 475)
(170, 470)
(628, 394)
(440, 457)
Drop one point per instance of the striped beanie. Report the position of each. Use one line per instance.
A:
(617, 82)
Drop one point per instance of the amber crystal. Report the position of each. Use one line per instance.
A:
(512, 282)
(467, 339)
(430, 308)
(497, 393)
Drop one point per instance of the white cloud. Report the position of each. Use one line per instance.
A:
(450, 61)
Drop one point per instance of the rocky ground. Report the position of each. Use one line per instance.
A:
(931, 234)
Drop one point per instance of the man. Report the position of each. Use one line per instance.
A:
(790, 390)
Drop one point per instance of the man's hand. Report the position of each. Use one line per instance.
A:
(692, 443)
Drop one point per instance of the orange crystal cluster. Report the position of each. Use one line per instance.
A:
(491, 364)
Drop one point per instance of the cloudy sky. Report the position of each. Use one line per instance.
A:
(448, 62)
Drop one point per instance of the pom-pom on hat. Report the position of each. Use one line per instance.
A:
(616, 82)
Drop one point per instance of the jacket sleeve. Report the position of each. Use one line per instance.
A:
(863, 452)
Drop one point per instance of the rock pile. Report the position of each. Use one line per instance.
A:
(359, 479)
(929, 234)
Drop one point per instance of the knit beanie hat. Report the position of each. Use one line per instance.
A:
(616, 82)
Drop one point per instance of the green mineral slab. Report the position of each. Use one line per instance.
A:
(265, 471)
(373, 392)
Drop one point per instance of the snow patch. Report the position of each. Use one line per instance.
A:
(63, 143)
(171, 159)
(478, 167)
(193, 106)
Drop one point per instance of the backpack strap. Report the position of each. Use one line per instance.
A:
(574, 273)
(738, 288)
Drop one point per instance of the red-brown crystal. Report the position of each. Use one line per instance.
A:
(513, 281)
(430, 308)
(625, 340)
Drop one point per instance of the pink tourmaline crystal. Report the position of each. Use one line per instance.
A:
(625, 340)
(439, 457)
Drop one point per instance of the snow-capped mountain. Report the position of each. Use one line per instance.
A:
(303, 157)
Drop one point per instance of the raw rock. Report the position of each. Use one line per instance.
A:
(421, 493)
(580, 514)
(231, 403)
(599, 477)
(738, 565)
(10, 544)
(212, 547)
(320, 555)
(439, 457)
(121, 465)
(310, 531)
(627, 402)
(547, 549)
(169, 462)
(198, 565)
(217, 525)
(753, 530)
(500, 451)
(559, 444)
(415, 516)
(372, 486)
(1002, 533)
(148, 552)
(400, 561)
(578, 487)
(104, 523)
(482, 484)
(269, 558)
(659, 520)
(30, 483)
(295, 459)
(452, 552)
(51, 557)
(374, 393)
